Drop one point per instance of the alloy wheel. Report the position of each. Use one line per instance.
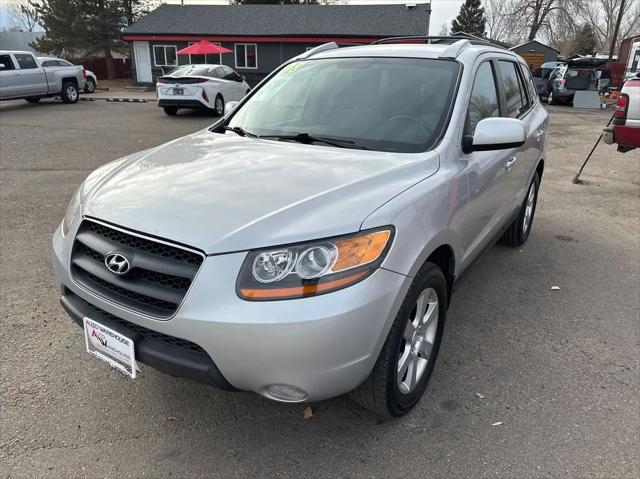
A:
(418, 339)
(528, 209)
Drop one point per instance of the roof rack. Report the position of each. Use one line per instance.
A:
(437, 39)
(326, 46)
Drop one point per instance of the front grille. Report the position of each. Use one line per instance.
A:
(158, 280)
(96, 313)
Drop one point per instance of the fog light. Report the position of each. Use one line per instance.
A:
(285, 393)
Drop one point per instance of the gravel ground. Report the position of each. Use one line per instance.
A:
(558, 370)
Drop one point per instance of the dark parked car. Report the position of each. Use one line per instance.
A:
(541, 76)
(575, 75)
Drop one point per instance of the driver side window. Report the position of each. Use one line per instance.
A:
(484, 98)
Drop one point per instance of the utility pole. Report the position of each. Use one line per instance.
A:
(614, 40)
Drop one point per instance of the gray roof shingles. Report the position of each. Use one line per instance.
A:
(284, 20)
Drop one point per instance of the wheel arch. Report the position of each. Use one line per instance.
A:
(73, 80)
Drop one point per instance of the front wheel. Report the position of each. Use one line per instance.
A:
(518, 233)
(404, 366)
(69, 93)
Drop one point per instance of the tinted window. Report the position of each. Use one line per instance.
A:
(529, 85)
(26, 61)
(384, 104)
(516, 98)
(229, 74)
(7, 62)
(484, 98)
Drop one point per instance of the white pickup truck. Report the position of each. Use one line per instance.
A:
(22, 77)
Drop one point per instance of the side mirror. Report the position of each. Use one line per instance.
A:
(243, 78)
(2, 65)
(230, 106)
(496, 134)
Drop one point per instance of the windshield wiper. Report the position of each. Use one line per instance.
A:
(239, 131)
(308, 139)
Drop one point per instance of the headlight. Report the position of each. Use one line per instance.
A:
(72, 211)
(313, 268)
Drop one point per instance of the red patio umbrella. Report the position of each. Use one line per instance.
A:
(203, 47)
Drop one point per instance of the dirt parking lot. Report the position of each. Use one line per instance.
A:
(556, 370)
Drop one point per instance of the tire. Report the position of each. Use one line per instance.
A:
(518, 232)
(69, 93)
(90, 85)
(170, 110)
(550, 99)
(386, 393)
(33, 99)
(218, 105)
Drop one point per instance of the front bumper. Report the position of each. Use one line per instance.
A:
(324, 345)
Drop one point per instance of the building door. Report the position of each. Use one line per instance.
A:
(143, 62)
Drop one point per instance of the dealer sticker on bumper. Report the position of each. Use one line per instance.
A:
(110, 346)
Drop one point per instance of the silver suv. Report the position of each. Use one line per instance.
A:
(308, 243)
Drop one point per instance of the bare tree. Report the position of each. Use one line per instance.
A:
(502, 22)
(22, 17)
(603, 16)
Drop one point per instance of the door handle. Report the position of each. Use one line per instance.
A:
(511, 162)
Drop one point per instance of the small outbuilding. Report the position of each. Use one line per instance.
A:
(536, 53)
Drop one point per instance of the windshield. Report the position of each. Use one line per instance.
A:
(384, 104)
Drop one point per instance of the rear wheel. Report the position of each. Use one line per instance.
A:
(518, 232)
(69, 93)
(170, 110)
(218, 105)
(402, 371)
(90, 85)
(33, 99)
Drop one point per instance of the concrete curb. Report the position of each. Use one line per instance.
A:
(116, 100)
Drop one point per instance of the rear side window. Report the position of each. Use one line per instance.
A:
(517, 103)
(7, 62)
(26, 62)
(530, 85)
(484, 98)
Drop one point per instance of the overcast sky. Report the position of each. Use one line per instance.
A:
(443, 10)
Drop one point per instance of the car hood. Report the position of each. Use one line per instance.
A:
(222, 193)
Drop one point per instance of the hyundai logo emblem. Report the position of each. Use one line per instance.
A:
(117, 263)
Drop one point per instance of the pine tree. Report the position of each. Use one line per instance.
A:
(85, 27)
(471, 19)
(585, 42)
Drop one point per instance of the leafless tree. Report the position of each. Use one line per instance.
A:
(603, 16)
(22, 17)
(502, 22)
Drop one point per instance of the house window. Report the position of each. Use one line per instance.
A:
(246, 55)
(209, 59)
(165, 56)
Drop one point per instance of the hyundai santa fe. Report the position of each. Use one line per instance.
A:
(308, 243)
